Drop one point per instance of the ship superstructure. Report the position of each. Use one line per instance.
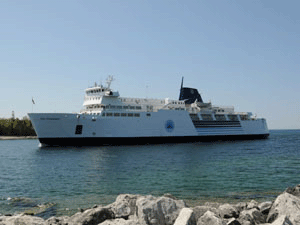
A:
(108, 118)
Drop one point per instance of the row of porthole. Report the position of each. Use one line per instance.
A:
(121, 114)
(115, 107)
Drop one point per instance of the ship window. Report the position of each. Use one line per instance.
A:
(103, 114)
(136, 115)
(109, 114)
(78, 129)
(119, 107)
(244, 117)
(130, 114)
(233, 117)
(220, 117)
(123, 114)
(139, 107)
(112, 106)
(206, 117)
(125, 107)
(132, 107)
(148, 114)
(149, 107)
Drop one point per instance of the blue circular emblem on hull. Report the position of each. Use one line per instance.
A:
(169, 125)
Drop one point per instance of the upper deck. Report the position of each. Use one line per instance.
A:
(100, 99)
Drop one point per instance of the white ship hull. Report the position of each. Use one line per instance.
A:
(163, 126)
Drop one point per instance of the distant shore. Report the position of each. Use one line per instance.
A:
(17, 137)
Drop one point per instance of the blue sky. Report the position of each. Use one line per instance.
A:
(240, 53)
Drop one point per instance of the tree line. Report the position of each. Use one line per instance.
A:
(16, 127)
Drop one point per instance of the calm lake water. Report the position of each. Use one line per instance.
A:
(196, 172)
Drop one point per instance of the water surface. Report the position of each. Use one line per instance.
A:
(196, 172)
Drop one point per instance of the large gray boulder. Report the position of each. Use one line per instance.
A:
(285, 205)
(57, 220)
(124, 206)
(252, 204)
(92, 216)
(186, 217)
(201, 210)
(233, 221)
(252, 217)
(21, 220)
(210, 218)
(265, 207)
(158, 211)
(120, 221)
(282, 220)
(228, 211)
(241, 206)
(294, 190)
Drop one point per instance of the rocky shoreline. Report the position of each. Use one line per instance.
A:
(131, 209)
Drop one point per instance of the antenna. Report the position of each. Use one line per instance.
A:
(109, 80)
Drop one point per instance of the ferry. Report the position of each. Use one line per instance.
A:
(109, 119)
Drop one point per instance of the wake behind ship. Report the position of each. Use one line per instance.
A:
(108, 119)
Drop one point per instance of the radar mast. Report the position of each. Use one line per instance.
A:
(109, 80)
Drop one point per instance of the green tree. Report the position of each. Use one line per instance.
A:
(16, 127)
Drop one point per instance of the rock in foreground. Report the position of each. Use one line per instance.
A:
(166, 210)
